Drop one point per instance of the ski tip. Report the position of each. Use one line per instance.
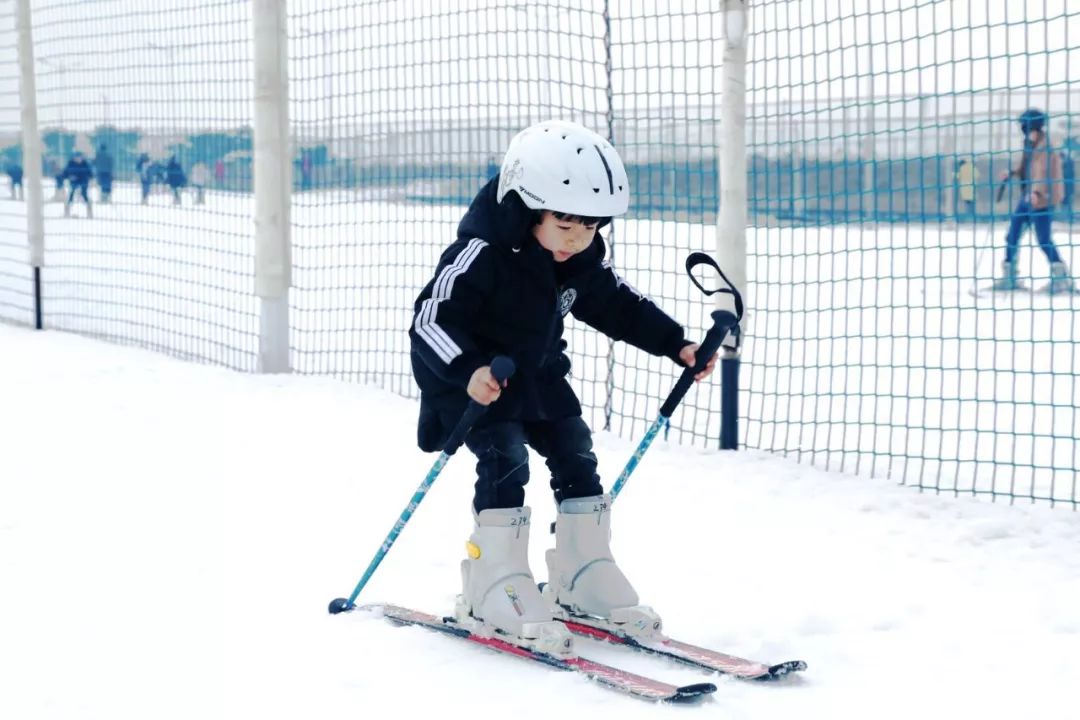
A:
(783, 669)
(690, 693)
(340, 605)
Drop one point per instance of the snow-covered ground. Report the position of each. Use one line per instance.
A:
(171, 533)
(865, 351)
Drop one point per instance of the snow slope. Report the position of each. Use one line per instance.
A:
(170, 535)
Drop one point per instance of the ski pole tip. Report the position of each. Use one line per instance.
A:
(340, 605)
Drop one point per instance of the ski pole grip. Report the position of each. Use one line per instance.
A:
(723, 322)
(503, 369)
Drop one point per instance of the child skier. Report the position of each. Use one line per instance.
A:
(527, 253)
(1042, 186)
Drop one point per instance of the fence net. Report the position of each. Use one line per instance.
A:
(151, 104)
(402, 113)
(874, 151)
(16, 274)
(881, 223)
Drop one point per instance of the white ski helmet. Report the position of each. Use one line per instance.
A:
(562, 166)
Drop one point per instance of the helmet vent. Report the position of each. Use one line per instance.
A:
(596, 190)
(579, 150)
(566, 181)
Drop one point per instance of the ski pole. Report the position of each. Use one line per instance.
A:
(974, 290)
(502, 368)
(724, 321)
(1003, 185)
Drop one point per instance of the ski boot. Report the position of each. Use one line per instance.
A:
(1060, 281)
(1009, 280)
(584, 583)
(499, 593)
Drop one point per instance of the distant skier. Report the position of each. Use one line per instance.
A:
(55, 170)
(78, 173)
(143, 167)
(967, 179)
(103, 169)
(175, 178)
(200, 178)
(15, 173)
(1042, 186)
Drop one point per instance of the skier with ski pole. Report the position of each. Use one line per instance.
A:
(1042, 186)
(528, 253)
(500, 370)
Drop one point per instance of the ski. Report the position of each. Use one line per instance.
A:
(1024, 291)
(693, 655)
(604, 675)
(990, 291)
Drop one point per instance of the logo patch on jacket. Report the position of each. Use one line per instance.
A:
(566, 300)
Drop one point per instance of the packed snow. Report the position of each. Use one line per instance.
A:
(171, 534)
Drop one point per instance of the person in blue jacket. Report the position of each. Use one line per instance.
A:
(103, 169)
(528, 253)
(175, 178)
(15, 173)
(78, 174)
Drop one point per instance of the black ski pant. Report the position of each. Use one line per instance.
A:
(502, 460)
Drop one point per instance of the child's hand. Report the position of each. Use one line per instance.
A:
(483, 387)
(689, 357)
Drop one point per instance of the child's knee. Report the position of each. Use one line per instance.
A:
(501, 453)
(502, 469)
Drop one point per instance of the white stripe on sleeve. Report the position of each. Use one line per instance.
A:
(425, 326)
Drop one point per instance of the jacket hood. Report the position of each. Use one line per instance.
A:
(506, 224)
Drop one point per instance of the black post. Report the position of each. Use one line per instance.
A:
(37, 298)
(729, 402)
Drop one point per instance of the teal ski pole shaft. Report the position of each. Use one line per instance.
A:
(723, 321)
(502, 368)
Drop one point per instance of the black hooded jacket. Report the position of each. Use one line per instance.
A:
(497, 291)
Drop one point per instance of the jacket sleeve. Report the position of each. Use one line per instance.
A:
(442, 325)
(608, 303)
(1047, 187)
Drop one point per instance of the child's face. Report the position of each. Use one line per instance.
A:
(563, 238)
